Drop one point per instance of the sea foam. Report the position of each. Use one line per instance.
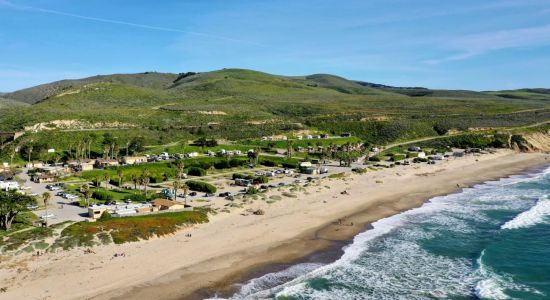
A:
(536, 215)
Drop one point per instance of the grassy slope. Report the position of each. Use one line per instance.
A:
(160, 103)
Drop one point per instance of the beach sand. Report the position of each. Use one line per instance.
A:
(233, 246)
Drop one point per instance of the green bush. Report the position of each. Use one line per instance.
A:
(195, 171)
(201, 186)
(374, 158)
(157, 179)
(262, 179)
(223, 164)
(137, 197)
(102, 195)
(398, 157)
(105, 216)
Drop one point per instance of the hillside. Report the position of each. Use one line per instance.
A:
(240, 104)
(38, 93)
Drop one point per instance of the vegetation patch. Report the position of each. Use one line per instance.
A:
(126, 229)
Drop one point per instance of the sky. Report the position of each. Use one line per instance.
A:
(466, 44)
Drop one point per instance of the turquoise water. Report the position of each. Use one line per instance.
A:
(491, 241)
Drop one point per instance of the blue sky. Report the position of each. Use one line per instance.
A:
(480, 45)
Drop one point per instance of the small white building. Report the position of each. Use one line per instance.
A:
(421, 154)
(9, 185)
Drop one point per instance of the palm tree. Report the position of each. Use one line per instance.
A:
(145, 178)
(289, 148)
(29, 151)
(177, 185)
(185, 189)
(46, 196)
(119, 173)
(180, 165)
(256, 155)
(135, 180)
(85, 189)
(107, 178)
(97, 181)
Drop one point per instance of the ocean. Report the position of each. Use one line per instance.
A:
(491, 241)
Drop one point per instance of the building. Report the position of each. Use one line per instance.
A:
(95, 211)
(134, 160)
(81, 165)
(9, 185)
(164, 204)
(43, 178)
(104, 163)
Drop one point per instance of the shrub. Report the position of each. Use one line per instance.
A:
(195, 171)
(137, 197)
(420, 159)
(157, 179)
(201, 186)
(374, 158)
(252, 191)
(223, 164)
(267, 163)
(105, 216)
(398, 156)
(262, 179)
(234, 162)
(102, 195)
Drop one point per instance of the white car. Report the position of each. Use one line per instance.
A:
(47, 216)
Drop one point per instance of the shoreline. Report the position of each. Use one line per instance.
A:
(334, 250)
(233, 248)
(315, 242)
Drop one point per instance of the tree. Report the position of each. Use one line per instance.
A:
(97, 181)
(135, 180)
(46, 197)
(119, 173)
(145, 178)
(107, 178)
(12, 204)
(177, 185)
(289, 149)
(136, 145)
(185, 189)
(180, 166)
(85, 189)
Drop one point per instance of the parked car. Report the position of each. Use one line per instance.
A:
(209, 195)
(225, 194)
(62, 194)
(32, 207)
(47, 216)
(192, 194)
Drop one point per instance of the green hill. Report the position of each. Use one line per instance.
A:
(241, 104)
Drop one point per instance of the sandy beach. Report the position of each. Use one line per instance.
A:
(233, 244)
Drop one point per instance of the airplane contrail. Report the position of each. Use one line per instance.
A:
(118, 22)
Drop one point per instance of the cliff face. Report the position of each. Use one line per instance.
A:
(531, 142)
